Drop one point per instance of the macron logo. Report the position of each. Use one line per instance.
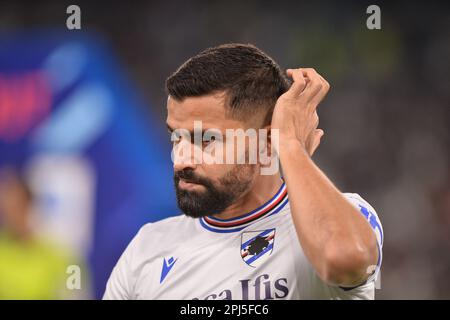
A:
(167, 265)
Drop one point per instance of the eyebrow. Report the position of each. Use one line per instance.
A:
(215, 130)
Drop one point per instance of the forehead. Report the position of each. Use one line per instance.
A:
(209, 109)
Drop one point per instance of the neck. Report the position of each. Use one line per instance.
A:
(263, 188)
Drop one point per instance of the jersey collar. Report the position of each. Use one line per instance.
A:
(273, 206)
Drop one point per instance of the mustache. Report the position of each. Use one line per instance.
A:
(190, 176)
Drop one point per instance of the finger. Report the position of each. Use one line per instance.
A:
(316, 119)
(324, 81)
(298, 84)
(317, 88)
(302, 70)
(314, 85)
(315, 100)
(305, 75)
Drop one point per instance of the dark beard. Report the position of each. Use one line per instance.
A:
(213, 200)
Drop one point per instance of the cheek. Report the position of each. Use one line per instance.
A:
(240, 174)
(215, 172)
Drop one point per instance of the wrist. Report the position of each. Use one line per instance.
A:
(291, 147)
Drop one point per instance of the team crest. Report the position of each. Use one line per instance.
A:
(256, 246)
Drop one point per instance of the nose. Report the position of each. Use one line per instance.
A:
(185, 155)
(183, 165)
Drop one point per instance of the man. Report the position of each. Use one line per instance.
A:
(31, 267)
(241, 237)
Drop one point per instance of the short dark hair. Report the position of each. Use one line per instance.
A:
(251, 79)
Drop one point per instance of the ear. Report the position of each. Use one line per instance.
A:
(267, 141)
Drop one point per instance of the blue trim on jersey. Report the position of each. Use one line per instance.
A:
(280, 207)
(253, 211)
(207, 227)
(219, 230)
(372, 220)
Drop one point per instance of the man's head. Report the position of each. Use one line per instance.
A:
(15, 202)
(232, 86)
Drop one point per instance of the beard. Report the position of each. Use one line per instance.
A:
(214, 199)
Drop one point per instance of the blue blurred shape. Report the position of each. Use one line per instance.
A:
(78, 121)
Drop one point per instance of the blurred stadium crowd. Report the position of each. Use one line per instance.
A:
(386, 118)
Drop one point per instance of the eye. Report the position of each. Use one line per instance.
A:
(175, 136)
(209, 140)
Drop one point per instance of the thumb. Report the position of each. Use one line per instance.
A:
(316, 135)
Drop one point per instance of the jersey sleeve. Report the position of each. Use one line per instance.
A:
(121, 281)
(372, 218)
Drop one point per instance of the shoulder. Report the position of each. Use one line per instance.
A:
(147, 244)
(168, 230)
(170, 224)
(363, 206)
(359, 201)
(369, 212)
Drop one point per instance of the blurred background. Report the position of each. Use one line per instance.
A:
(85, 158)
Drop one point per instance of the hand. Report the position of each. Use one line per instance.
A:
(295, 114)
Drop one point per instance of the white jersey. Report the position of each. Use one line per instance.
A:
(252, 257)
